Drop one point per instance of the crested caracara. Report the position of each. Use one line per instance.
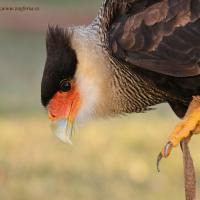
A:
(134, 55)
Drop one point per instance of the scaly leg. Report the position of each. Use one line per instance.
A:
(185, 129)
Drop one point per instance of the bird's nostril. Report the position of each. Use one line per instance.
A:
(52, 116)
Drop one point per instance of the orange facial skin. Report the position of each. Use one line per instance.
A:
(64, 105)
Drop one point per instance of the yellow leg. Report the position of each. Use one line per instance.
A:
(185, 129)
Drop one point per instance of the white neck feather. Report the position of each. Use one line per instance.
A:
(92, 72)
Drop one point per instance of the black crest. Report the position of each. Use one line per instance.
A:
(60, 63)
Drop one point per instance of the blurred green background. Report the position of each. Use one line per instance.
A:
(112, 159)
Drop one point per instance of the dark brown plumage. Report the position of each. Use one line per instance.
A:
(162, 39)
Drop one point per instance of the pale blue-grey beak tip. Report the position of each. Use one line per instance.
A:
(63, 129)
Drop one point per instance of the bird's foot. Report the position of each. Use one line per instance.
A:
(183, 131)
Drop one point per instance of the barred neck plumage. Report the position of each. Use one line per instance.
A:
(131, 91)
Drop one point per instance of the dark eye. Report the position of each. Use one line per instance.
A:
(65, 86)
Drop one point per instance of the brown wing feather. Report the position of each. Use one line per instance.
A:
(163, 36)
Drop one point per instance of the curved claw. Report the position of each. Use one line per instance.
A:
(164, 153)
(159, 158)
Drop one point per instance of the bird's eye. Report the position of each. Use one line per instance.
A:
(65, 86)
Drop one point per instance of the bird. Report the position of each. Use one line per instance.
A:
(134, 55)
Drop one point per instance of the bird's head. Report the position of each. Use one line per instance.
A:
(68, 91)
(59, 91)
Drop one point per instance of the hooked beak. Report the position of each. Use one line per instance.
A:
(63, 129)
(62, 111)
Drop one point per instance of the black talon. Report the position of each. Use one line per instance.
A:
(159, 158)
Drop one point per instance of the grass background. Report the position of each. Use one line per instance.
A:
(113, 159)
